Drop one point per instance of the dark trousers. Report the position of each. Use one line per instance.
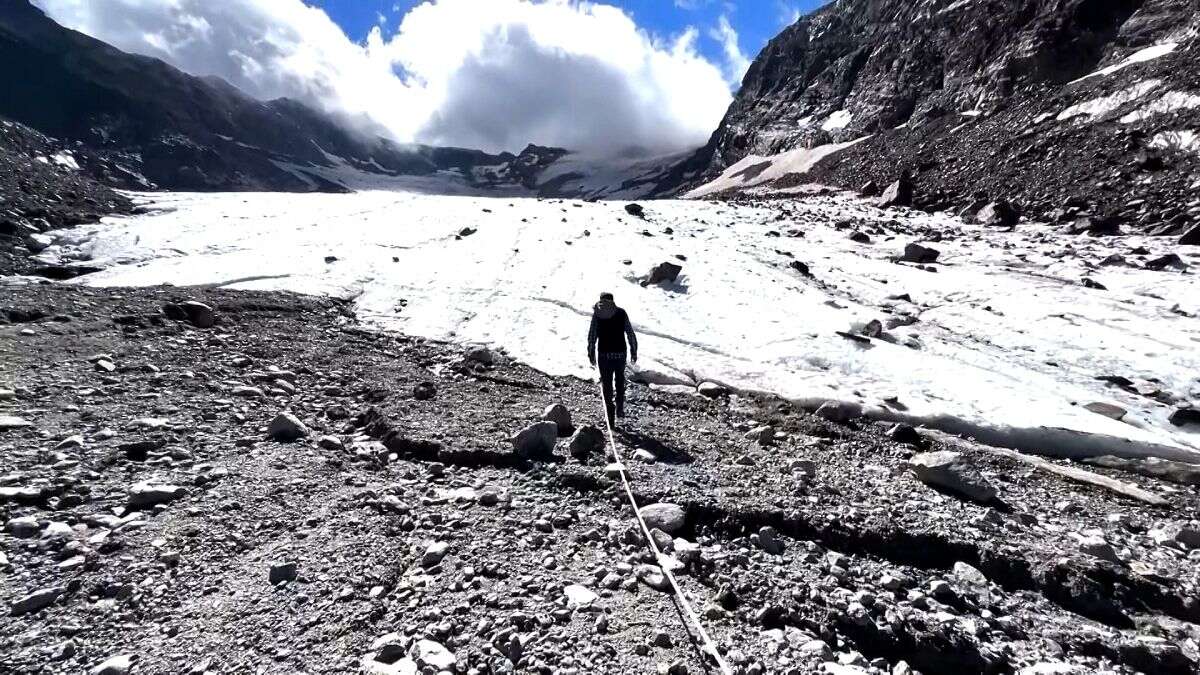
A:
(612, 381)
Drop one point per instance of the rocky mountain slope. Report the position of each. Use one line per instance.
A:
(1062, 107)
(157, 127)
(160, 515)
(42, 188)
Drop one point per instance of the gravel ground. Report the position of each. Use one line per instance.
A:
(149, 513)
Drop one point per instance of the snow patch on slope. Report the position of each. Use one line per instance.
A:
(1104, 105)
(1006, 344)
(1140, 56)
(1167, 103)
(756, 170)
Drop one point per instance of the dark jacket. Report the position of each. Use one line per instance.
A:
(610, 328)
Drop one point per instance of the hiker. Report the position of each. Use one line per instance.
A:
(610, 327)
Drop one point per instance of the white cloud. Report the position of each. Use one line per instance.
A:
(736, 61)
(491, 74)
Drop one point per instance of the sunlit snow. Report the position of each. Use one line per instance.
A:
(1140, 56)
(1006, 345)
(1103, 105)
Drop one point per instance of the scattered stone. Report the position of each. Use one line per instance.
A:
(669, 518)
(951, 471)
(199, 314)
(1163, 262)
(869, 189)
(767, 538)
(434, 554)
(916, 253)
(37, 600)
(22, 528)
(899, 193)
(281, 572)
(536, 441)
(635, 210)
(904, 433)
(286, 428)
(425, 391)
(147, 494)
(587, 441)
(10, 422)
(666, 272)
(652, 576)
(1191, 237)
(712, 390)
(579, 596)
(330, 443)
(430, 654)
(117, 665)
(998, 214)
(1107, 409)
(839, 411)
(560, 416)
(1182, 416)
(482, 355)
(1097, 547)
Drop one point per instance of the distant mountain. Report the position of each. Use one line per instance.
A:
(149, 125)
(1064, 107)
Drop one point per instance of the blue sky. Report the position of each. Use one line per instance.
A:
(756, 21)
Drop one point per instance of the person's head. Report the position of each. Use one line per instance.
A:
(606, 297)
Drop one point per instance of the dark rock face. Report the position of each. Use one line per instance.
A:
(969, 96)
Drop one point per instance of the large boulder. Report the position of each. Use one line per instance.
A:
(916, 253)
(199, 314)
(998, 214)
(952, 472)
(587, 441)
(899, 193)
(665, 272)
(559, 414)
(287, 428)
(1182, 416)
(536, 441)
(635, 210)
(147, 494)
(669, 518)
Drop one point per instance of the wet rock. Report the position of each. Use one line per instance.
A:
(536, 441)
(587, 441)
(953, 472)
(198, 314)
(37, 600)
(147, 494)
(916, 253)
(635, 210)
(286, 428)
(22, 528)
(482, 355)
(560, 416)
(800, 267)
(669, 518)
(860, 237)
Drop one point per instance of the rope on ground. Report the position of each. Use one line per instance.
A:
(663, 561)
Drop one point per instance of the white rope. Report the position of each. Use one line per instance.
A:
(709, 646)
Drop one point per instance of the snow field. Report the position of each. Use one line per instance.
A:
(1006, 346)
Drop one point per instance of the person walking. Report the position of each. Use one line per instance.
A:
(610, 329)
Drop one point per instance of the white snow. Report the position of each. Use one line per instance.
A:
(1183, 140)
(1105, 104)
(756, 170)
(1140, 56)
(1006, 349)
(1168, 102)
(66, 159)
(971, 113)
(837, 120)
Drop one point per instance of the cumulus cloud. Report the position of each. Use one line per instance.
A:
(736, 61)
(490, 74)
